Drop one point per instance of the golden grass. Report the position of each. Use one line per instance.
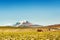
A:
(30, 35)
(27, 34)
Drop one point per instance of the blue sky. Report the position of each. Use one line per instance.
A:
(43, 12)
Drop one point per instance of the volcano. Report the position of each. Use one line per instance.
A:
(25, 23)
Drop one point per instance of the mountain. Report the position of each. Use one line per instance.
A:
(25, 23)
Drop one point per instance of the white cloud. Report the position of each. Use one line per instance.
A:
(8, 24)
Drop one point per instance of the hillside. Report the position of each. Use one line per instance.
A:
(54, 26)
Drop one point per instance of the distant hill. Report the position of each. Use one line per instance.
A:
(54, 26)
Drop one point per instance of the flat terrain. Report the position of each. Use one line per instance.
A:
(28, 33)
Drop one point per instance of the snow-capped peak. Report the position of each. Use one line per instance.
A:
(23, 23)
